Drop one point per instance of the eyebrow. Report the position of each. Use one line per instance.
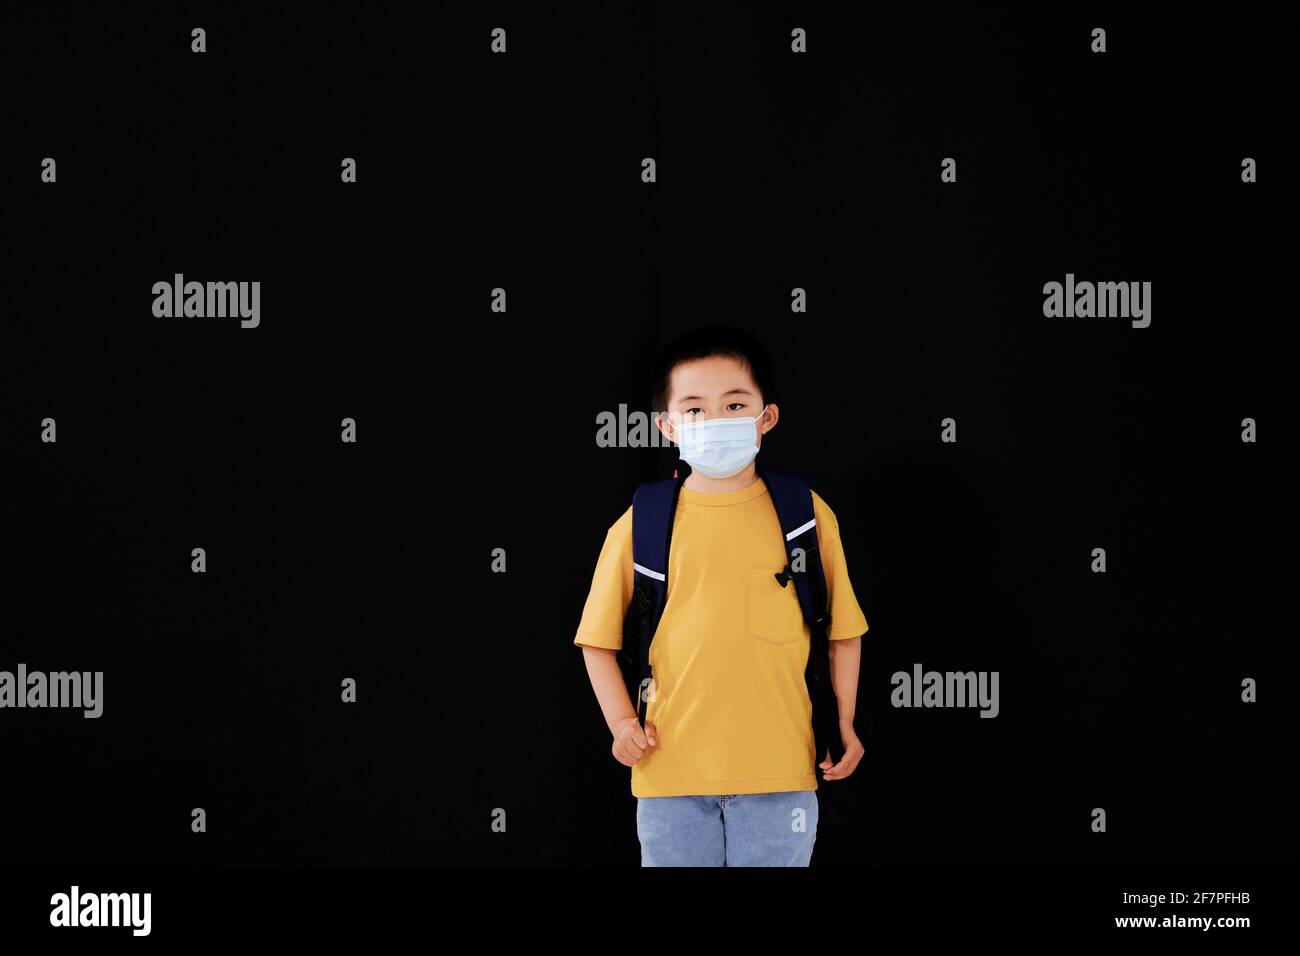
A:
(700, 398)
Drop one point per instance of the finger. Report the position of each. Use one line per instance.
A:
(845, 767)
(638, 738)
(652, 734)
(830, 769)
(624, 752)
(634, 739)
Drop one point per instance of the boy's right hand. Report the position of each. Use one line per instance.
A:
(631, 742)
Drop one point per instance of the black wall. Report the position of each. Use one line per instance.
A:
(477, 429)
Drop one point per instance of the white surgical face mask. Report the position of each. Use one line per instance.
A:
(719, 447)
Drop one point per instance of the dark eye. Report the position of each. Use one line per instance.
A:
(736, 405)
(692, 411)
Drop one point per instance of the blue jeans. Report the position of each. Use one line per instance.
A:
(734, 829)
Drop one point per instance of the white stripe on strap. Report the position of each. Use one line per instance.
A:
(647, 572)
(800, 530)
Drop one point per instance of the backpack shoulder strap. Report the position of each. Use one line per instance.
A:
(794, 509)
(654, 506)
(793, 501)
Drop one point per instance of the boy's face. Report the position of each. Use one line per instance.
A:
(714, 387)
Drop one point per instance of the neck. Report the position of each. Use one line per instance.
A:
(716, 486)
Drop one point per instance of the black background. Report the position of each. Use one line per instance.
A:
(477, 429)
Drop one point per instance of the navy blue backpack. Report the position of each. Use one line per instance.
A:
(654, 506)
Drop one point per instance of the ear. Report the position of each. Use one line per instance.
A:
(665, 426)
(769, 420)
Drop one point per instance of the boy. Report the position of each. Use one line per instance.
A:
(725, 762)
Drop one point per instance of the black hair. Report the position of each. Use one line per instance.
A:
(706, 342)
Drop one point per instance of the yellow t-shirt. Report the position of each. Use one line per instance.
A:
(730, 702)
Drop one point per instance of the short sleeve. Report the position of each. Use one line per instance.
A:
(847, 619)
(611, 589)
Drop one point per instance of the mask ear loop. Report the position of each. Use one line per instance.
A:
(757, 434)
(676, 438)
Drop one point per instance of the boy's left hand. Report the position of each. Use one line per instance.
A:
(853, 751)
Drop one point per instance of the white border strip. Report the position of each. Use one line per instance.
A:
(647, 572)
(800, 530)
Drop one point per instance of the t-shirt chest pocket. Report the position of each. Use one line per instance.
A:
(772, 611)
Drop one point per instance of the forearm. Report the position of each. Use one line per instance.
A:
(608, 683)
(845, 658)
